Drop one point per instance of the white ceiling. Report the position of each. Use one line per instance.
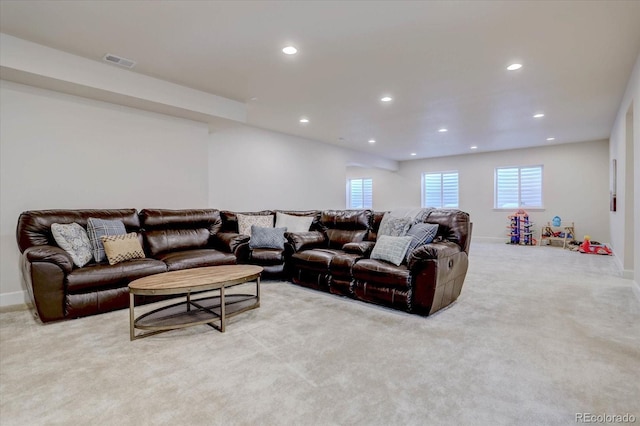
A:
(443, 62)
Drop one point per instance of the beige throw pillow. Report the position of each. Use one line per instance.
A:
(245, 222)
(119, 248)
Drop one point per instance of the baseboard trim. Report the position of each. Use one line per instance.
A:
(13, 301)
(625, 273)
(636, 289)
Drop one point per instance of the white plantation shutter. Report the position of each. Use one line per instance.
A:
(440, 189)
(518, 187)
(360, 193)
(531, 186)
(450, 190)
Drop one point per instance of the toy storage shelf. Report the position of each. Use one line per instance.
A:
(564, 233)
(520, 229)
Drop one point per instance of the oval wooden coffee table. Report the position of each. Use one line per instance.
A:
(206, 310)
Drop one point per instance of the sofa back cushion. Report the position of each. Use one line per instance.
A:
(345, 226)
(453, 225)
(34, 227)
(175, 230)
(376, 219)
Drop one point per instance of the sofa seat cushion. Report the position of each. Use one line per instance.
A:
(267, 256)
(196, 259)
(96, 276)
(382, 274)
(315, 259)
(342, 263)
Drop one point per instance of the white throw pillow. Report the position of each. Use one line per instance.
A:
(293, 223)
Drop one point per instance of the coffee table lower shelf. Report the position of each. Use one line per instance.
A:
(190, 312)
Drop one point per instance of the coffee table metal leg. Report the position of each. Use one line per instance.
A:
(222, 314)
(132, 334)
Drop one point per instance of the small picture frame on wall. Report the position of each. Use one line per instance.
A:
(614, 183)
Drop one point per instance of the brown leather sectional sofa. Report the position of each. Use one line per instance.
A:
(333, 256)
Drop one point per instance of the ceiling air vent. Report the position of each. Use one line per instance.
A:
(123, 62)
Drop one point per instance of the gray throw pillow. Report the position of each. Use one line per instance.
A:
(267, 237)
(391, 249)
(97, 228)
(422, 233)
(394, 226)
(73, 239)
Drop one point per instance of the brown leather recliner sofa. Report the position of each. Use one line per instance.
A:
(333, 256)
(172, 240)
(337, 260)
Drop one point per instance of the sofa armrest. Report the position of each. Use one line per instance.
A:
(44, 269)
(229, 241)
(243, 252)
(432, 251)
(305, 240)
(363, 247)
(50, 254)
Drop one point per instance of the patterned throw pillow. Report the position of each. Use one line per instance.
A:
(422, 233)
(96, 228)
(73, 239)
(267, 237)
(391, 249)
(293, 223)
(119, 248)
(394, 226)
(245, 222)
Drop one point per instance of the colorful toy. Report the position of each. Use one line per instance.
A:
(521, 229)
(593, 247)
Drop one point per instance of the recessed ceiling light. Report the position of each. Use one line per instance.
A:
(372, 141)
(304, 120)
(474, 147)
(413, 154)
(443, 130)
(538, 115)
(290, 50)
(551, 139)
(514, 67)
(386, 99)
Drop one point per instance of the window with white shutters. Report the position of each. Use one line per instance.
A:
(518, 187)
(440, 189)
(360, 193)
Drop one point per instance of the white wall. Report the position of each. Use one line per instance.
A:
(253, 169)
(62, 151)
(575, 186)
(625, 148)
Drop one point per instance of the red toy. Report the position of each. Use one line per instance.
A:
(593, 247)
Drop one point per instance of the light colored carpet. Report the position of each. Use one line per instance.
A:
(538, 335)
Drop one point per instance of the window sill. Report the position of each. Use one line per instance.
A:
(530, 209)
